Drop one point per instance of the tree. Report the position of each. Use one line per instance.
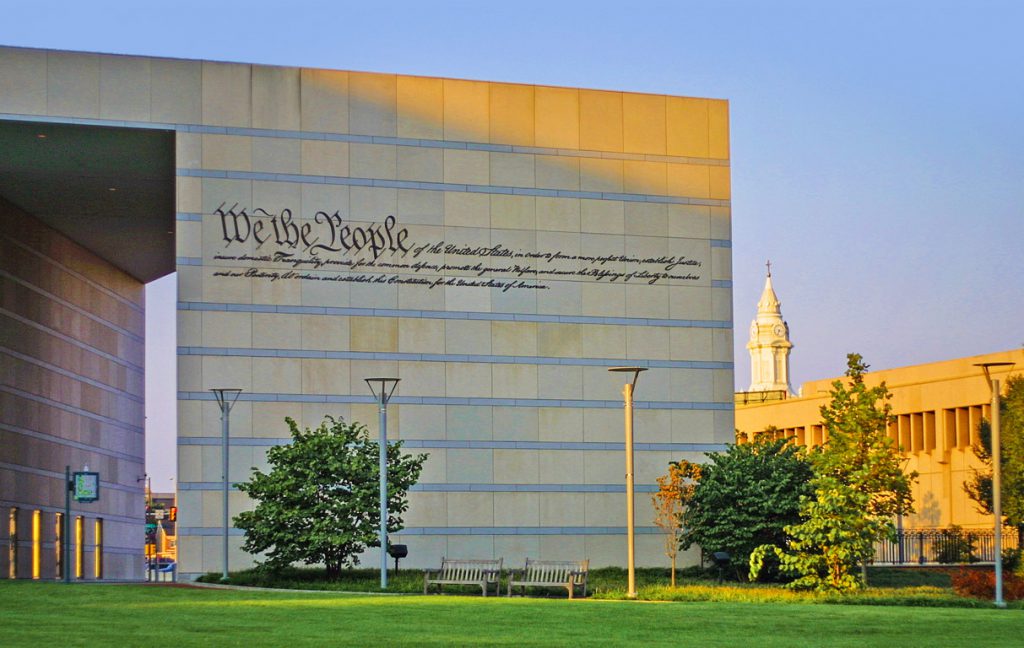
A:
(674, 491)
(320, 501)
(1011, 428)
(859, 452)
(746, 496)
(832, 539)
(859, 485)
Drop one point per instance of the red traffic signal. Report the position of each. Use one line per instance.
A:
(174, 514)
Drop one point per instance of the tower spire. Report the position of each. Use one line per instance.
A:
(769, 344)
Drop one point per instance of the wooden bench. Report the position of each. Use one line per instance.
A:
(464, 572)
(550, 573)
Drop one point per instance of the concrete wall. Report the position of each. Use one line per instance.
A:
(71, 394)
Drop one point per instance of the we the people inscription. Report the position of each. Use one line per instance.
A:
(288, 248)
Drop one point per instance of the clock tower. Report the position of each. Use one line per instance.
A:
(769, 344)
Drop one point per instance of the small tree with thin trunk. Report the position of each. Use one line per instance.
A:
(674, 490)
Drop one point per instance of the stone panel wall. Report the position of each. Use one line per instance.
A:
(71, 394)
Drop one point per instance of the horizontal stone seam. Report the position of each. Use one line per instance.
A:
(42, 436)
(269, 176)
(70, 374)
(459, 400)
(71, 409)
(50, 545)
(243, 131)
(88, 514)
(73, 341)
(446, 357)
(78, 309)
(452, 444)
(78, 275)
(457, 531)
(467, 487)
(52, 474)
(457, 315)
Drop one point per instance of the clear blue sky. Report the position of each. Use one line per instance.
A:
(877, 147)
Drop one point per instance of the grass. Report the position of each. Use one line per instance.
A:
(889, 586)
(39, 614)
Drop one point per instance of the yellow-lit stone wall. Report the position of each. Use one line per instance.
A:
(936, 411)
(615, 206)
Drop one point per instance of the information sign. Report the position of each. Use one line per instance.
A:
(86, 486)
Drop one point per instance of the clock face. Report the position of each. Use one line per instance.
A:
(779, 330)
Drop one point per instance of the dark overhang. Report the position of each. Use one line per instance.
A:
(109, 189)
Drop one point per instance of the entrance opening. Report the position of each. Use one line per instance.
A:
(87, 218)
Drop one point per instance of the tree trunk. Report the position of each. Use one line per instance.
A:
(673, 571)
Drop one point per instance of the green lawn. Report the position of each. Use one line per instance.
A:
(52, 614)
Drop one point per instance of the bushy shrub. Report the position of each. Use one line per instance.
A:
(981, 583)
(955, 546)
(1012, 561)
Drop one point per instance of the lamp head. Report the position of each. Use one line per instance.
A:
(226, 396)
(382, 388)
(987, 366)
(633, 370)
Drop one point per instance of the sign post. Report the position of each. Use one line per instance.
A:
(84, 486)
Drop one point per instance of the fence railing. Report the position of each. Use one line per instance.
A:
(942, 546)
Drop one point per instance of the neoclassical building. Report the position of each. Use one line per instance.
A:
(936, 410)
(496, 246)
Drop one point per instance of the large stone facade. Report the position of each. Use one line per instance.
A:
(495, 246)
(71, 394)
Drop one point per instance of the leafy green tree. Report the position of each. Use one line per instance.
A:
(859, 452)
(320, 501)
(859, 485)
(834, 536)
(746, 496)
(1011, 432)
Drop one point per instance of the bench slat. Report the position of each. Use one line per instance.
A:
(551, 573)
(465, 572)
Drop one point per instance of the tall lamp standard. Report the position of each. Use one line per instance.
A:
(382, 389)
(997, 474)
(627, 395)
(226, 398)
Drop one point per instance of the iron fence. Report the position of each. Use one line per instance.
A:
(942, 546)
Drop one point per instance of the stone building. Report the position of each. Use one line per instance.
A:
(936, 410)
(496, 246)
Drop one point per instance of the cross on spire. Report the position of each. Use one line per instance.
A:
(769, 264)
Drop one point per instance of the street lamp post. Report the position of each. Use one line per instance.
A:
(627, 395)
(385, 387)
(997, 475)
(226, 398)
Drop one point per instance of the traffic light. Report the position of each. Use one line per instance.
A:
(174, 514)
(151, 534)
